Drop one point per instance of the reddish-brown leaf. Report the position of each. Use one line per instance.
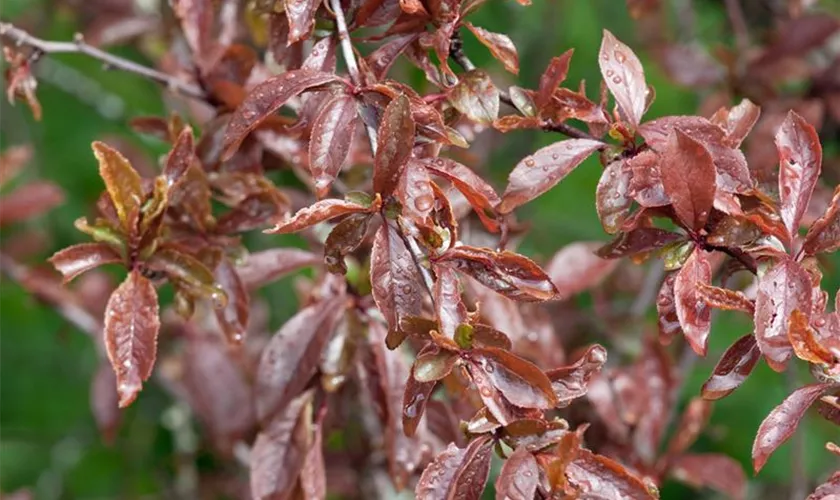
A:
(29, 201)
(800, 157)
(301, 14)
(737, 121)
(782, 422)
(196, 18)
(233, 317)
(784, 287)
(345, 237)
(481, 195)
(824, 234)
(623, 73)
(694, 314)
(122, 183)
(280, 450)
(805, 342)
(457, 473)
(180, 158)
(688, 175)
(104, 403)
(395, 281)
(691, 424)
(829, 490)
(449, 304)
(571, 382)
(265, 99)
(667, 320)
(381, 59)
(734, 367)
(542, 170)
(613, 197)
(77, 259)
(576, 268)
(507, 273)
(332, 135)
(415, 398)
(500, 46)
(519, 477)
(433, 365)
(292, 355)
(186, 271)
(638, 241)
(601, 477)
(416, 194)
(553, 76)
(711, 470)
(319, 211)
(519, 381)
(646, 182)
(261, 268)
(394, 143)
(723, 298)
(517, 122)
(256, 210)
(476, 96)
(131, 329)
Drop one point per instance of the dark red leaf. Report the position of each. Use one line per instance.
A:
(824, 234)
(301, 14)
(332, 135)
(782, 422)
(416, 397)
(601, 477)
(805, 341)
(449, 304)
(416, 194)
(476, 97)
(394, 143)
(781, 289)
(104, 403)
(506, 273)
(318, 212)
(265, 99)
(723, 298)
(292, 355)
(381, 59)
(646, 182)
(647, 401)
(623, 73)
(572, 382)
(233, 317)
(500, 46)
(542, 170)
(434, 365)
(694, 314)
(553, 76)
(519, 381)
(734, 367)
(261, 268)
(737, 122)
(519, 477)
(613, 196)
(187, 271)
(180, 158)
(666, 310)
(196, 18)
(122, 183)
(689, 179)
(576, 268)
(345, 237)
(475, 189)
(638, 241)
(131, 329)
(29, 201)
(800, 156)
(457, 473)
(711, 470)
(77, 259)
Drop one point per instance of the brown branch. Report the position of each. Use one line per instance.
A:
(735, 253)
(21, 38)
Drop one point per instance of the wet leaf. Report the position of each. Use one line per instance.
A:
(457, 472)
(301, 15)
(476, 97)
(805, 342)
(782, 422)
(122, 183)
(712, 470)
(613, 196)
(689, 179)
(506, 273)
(828, 490)
(519, 477)
(77, 259)
(480, 195)
(261, 268)
(734, 367)
(345, 237)
(519, 381)
(416, 194)
(605, 478)
(434, 365)
(449, 304)
(784, 287)
(255, 211)
(723, 298)
(394, 143)
(638, 241)
(292, 355)
(824, 234)
(416, 397)
(572, 382)
(180, 158)
(623, 73)
(737, 121)
(500, 46)
(131, 329)
(188, 271)
(233, 317)
(666, 311)
(694, 314)
(554, 74)
(332, 135)
(800, 156)
(542, 170)
(265, 99)
(318, 212)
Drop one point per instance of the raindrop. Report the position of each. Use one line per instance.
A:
(616, 79)
(423, 203)
(489, 368)
(819, 322)
(485, 391)
(610, 73)
(616, 195)
(127, 364)
(619, 56)
(530, 162)
(554, 156)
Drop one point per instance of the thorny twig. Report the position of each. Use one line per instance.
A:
(39, 47)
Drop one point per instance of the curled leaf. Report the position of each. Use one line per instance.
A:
(735, 365)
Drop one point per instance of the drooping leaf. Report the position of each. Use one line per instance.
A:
(784, 287)
(122, 183)
(824, 234)
(457, 473)
(318, 212)
(292, 355)
(576, 268)
(416, 397)
(301, 14)
(613, 197)
(77, 259)
(394, 143)
(476, 96)
(542, 170)
(261, 268)
(233, 317)
(554, 74)
(519, 477)
(638, 241)
(623, 73)
(800, 157)
(605, 478)
(521, 382)
(449, 304)
(734, 367)
(500, 46)
(712, 470)
(329, 143)
(180, 158)
(667, 320)
(345, 237)
(265, 99)
(688, 176)
(737, 121)
(131, 328)
(481, 195)
(572, 382)
(782, 422)
(723, 298)
(434, 365)
(694, 314)
(506, 273)
(395, 282)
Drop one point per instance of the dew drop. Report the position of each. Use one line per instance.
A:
(406, 289)
(610, 73)
(530, 162)
(616, 195)
(485, 391)
(616, 79)
(489, 368)
(819, 322)
(554, 156)
(619, 56)
(127, 364)
(423, 203)
(528, 473)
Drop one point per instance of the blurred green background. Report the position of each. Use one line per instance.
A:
(50, 443)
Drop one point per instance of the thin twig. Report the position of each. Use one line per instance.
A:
(21, 38)
(735, 253)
